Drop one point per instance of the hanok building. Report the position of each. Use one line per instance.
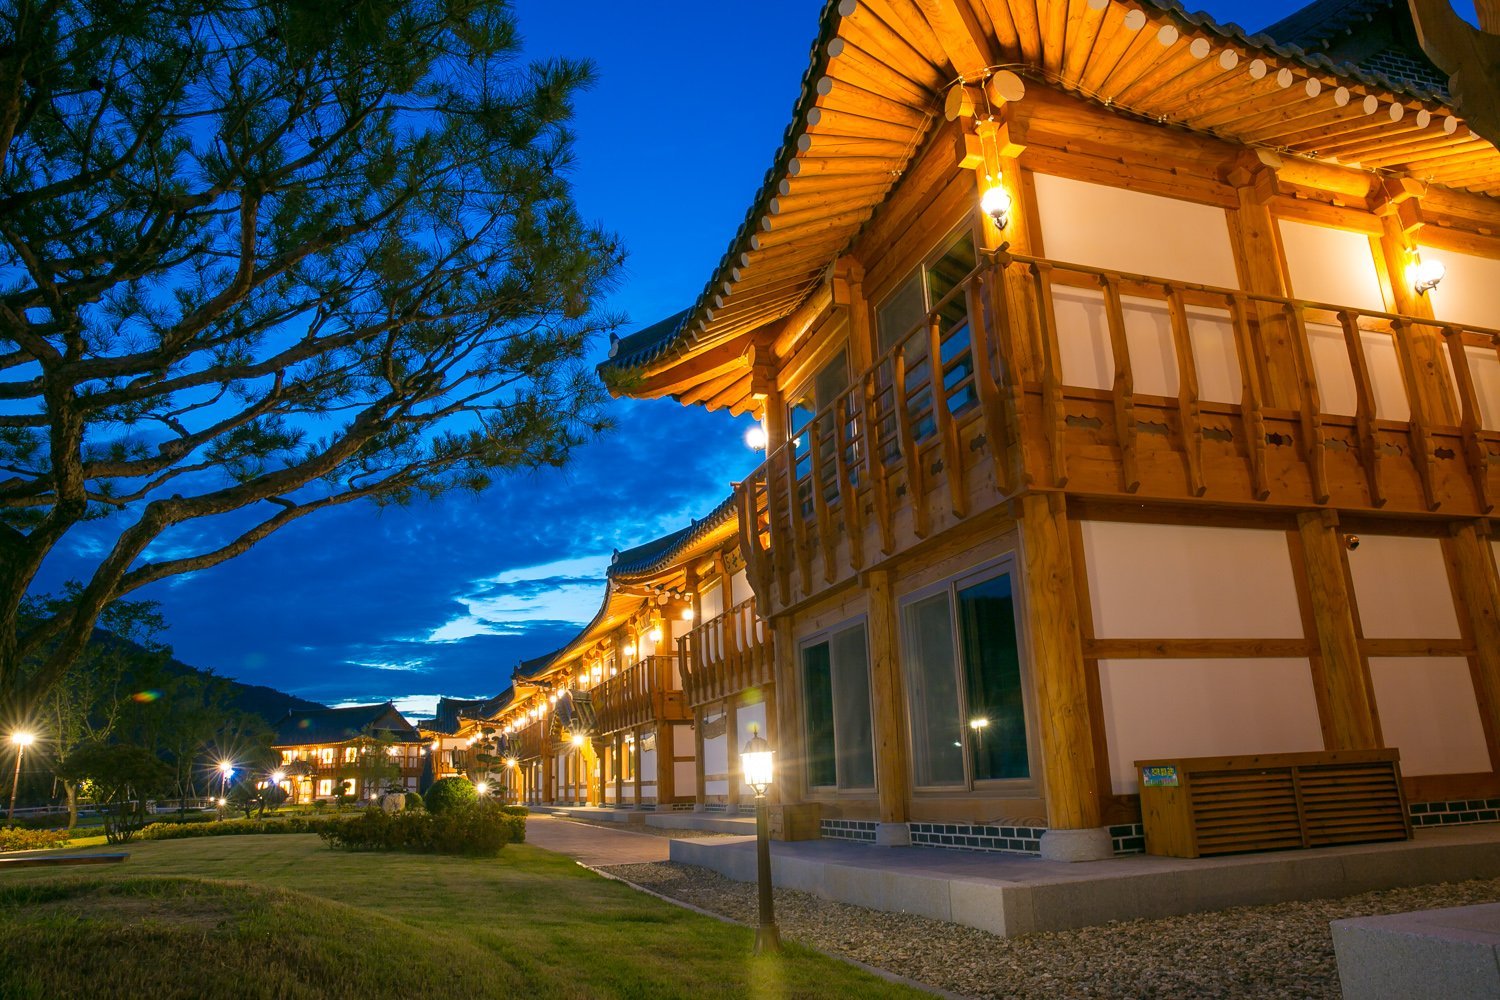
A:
(642, 708)
(459, 737)
(322, 750)
(1113, 411)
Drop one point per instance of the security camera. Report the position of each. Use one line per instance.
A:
(1352, 542)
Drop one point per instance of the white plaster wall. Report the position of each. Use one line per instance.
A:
(739, 588)
(1429, 712)
(1335, 376)
(1123, 230)
(1333, 266)
(1468, 290)
(1088, 359)
(1402, 588)
(1484, 368)
(648, 765)
(1175, 581)
(1204, 708)
(711, 599)
(747, 716)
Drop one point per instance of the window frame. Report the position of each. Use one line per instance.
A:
(812, 639)
(1030, 786)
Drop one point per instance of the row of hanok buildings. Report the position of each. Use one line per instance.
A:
(1112, 414)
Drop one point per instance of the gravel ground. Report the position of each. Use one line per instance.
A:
(1283, 950)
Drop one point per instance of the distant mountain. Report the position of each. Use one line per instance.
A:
(268, 703)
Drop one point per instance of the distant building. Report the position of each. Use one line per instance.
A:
(324, 749)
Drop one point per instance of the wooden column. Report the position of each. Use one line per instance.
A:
(1479, 583)
(1431, 393)
(635, 770)
(1341, 677)
(666, 763)
(1062, 686)
(700, 793)
(731, 740)
(790, 765)
(1259, 257)
(888, 693)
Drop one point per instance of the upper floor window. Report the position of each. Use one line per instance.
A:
(933, 290)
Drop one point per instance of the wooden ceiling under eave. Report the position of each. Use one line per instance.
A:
(875, 88)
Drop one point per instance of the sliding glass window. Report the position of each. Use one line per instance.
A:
(836, 710)
(966, 682)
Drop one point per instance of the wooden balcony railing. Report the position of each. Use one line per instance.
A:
(725, 655)
(1038, 374)
(639, 695)
(529, 742)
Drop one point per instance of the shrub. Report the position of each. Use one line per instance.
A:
(235, 827)
(477, 829)
(414, 802)
(14, 838)
(450, 792)
(515, 810)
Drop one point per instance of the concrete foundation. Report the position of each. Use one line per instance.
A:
(1009, 894)
(1078, 845)
(1452, 952)
(892, 835)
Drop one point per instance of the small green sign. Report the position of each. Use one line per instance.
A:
(1161, 775)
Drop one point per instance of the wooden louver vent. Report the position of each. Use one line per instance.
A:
(1223, 805)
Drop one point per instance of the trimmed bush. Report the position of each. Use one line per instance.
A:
(450, 792)
(235, 827)
(476, 829)
(515, 810)
(414, 802)
(14, 838)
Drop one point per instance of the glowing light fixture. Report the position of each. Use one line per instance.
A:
(226, 768)
(629, 650)
(688, 614)
(483, 788)
(511, 762)
(996, 203)
(755, 438)
(277, 777)
(1425, 275)
(578, 739)
(655, 634)
(757, 762)
(978, 724)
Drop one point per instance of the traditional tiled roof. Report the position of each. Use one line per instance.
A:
(1331, 25)
(760, 280)
(339, 725)
(659, 554)
(449, 710)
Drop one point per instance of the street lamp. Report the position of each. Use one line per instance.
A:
(483, 788)
(21, 739)
(757, 765)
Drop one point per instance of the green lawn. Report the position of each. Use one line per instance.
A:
(285, 917)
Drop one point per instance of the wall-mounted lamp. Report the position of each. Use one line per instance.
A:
(629, 650)
(1425, 275)
(995, 202)
(687, 614)
(655, 634)
(755, 438)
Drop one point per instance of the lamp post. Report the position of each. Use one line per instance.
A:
(756, 763)
(21, 739)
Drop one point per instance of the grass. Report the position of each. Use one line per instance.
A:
(286, 917)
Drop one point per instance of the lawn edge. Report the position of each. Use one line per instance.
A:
(874, 970)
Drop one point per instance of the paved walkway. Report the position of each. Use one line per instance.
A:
(594, 845)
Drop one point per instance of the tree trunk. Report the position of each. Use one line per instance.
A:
(71, 787)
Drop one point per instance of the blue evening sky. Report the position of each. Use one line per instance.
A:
(357, 604)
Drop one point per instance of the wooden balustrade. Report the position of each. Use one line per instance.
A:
(529, 741)
(726, 655)
(978, 403)
(640, 695)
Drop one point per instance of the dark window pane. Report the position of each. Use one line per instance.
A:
(899, 314)
(851, 692)
(992, 680)
(932, 681)
(817, 707)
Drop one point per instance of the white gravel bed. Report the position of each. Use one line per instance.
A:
(1282, 950)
